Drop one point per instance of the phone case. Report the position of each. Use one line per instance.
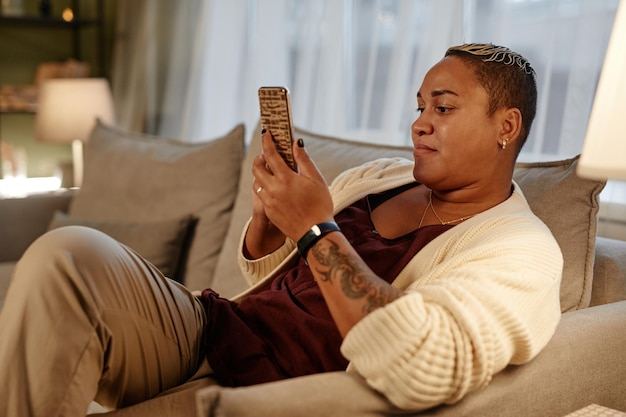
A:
(276, 117)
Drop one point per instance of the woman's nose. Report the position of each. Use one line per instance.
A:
(421, 126)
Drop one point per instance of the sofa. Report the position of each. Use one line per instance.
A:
(183, 206)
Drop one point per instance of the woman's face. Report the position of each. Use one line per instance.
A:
(455, 141)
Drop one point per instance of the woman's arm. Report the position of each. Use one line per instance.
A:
(349, 286)
(297, 201)
(483, 300)
(262, 237)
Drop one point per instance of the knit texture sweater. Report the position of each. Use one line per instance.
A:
(481, 296)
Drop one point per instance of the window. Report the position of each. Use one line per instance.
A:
(354, 66)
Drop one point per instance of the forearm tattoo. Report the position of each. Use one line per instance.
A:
(356, 281)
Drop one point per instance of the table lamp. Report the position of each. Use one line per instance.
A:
(604, 150)
(67, 112)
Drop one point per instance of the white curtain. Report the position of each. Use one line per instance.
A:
(191, 68)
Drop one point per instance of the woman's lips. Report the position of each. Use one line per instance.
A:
(421, 149)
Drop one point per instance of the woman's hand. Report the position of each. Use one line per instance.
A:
(290, 201)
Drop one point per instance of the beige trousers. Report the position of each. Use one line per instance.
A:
(87, 318)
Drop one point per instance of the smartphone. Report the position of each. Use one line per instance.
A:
(276, 117)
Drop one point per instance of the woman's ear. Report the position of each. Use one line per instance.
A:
(511, 127)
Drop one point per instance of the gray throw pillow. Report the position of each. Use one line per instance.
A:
(568, 205)
(133, 177)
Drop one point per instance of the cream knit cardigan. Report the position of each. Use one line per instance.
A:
(482, 295)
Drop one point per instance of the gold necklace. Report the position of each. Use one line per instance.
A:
(430, 205)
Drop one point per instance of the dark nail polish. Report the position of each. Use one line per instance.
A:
(263, 131)
(300, 143)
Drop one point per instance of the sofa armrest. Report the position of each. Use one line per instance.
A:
(583, 364)
(609, 272)
(22, 220)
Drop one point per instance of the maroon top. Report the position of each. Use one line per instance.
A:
(287, 330)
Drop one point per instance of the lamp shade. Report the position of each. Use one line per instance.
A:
(68, 108)
(604, 151)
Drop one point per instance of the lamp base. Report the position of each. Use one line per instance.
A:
(77, 160)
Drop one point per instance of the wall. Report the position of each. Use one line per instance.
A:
(22, 48)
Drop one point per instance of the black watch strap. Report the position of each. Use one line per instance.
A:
(314, 234)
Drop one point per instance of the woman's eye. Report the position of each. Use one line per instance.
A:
(442, 109)
(420, 110)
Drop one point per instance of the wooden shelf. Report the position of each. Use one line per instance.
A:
(51, 22)
(80, 21)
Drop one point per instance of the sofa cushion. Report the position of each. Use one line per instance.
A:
(132, 177)
(566, 203)
(609, 272)
(587, 346)
(160, 242)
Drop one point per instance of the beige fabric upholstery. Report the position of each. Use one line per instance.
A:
(135, 177)
(609, 283)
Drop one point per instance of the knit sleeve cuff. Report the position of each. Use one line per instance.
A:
(255, 269)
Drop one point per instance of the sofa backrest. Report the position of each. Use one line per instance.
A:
(135, 180)
(566, 203)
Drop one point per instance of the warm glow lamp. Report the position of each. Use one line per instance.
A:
(67, 112)
(604, 151)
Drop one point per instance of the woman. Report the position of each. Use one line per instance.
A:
(480, 296)
(427, 276)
